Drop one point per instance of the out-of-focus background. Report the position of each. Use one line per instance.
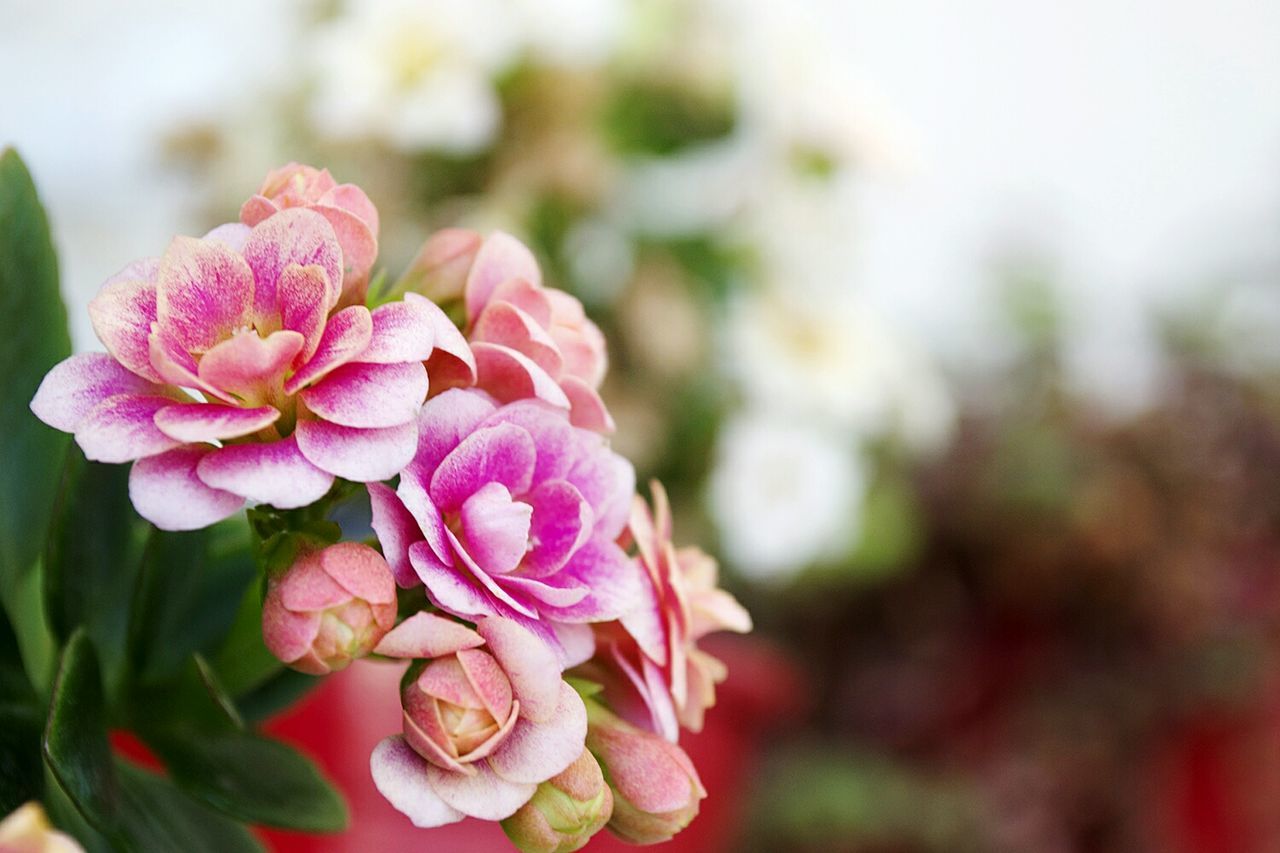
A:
(951, 328)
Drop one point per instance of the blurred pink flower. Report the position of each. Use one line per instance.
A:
(331, 607)
(512, 511)
(348, 209)
(486, 719)
(27, 830)
(232, 375)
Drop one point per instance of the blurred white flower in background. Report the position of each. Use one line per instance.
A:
(572, 33)
(784, 495)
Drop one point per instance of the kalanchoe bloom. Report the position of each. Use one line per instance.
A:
(650, 664)
(487, 719)
(27, 830)
(439, 270)
(528, 340)
(232, 374)
(348, 209)
(564, 812)
(656, 789)
(331, 607)
(511, 511)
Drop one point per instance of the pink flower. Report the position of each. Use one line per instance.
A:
(652, 669)
(528, 340)
(331, 607)
(231, 375)
(27, 830)
(486, 719)
(511, 511)
(348, 209)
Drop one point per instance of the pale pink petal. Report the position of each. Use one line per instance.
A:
(400, 775)
(286, 633)
(447, 589)
(248, 366)
(496, 528)
(505, 324)
(123, 428)
(396, 530)
(489, 681)
(510, 375)
(360, 570)
(444, 678)
(346, 335)
(256, 209)
(491, 586)
(426, 635)
(536, 751)
(485, 794)
(426, 514)
(643, 621)
(359, 249)
(307, 586)
(538, 593)
(166, 492)
(293, 236)
(122, 314)
(586, 409)
(530, 664)
(606, 480)
(302, 292)
(501, 258)
(275, 473)
(231, 234)
(176, 366)
(362, 455)
(77, 384)
(402, 331)
(350, 197)
(369, 395)
(204, 292)
(562, 522)
(577, 643)
(499, 454)
(532, 299)
(193, 423)
(443, 422)
(452, 363)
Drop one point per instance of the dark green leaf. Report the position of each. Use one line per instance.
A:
(191, 700)
(20, 765)
(65, 816)
(276, 694)
(33, 338)
(157, 816)
(243, 662)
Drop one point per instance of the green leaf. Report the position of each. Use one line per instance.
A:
(95, 552)
(33, 338)
(192, 700)
(20, 765)
(243, 662)
(274, 695)
(157, 816)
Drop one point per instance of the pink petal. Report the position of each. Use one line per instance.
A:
(122, 314)
(176, 366)
(426, 635)
(71, 390)
(532, 299)
(193, 423)
(396, 530)
(607, 481)
(489, 681)
(510, 375)
(286, 633)
(360, 570)
(561, 523)
(359, 249)
(452, 364)
(643, 621)
(558, 445)
(496, 528)
(362, 455)
(530, 665)
(485, 580)
(402, 331)
(369, 395)
(614, 580)
(577, 643)
(586, 409)
(484, 795)
(256, 209)
(302, 292)
(528, 589)
(499, 454)
(447, 589)
(503, 323)
(293, 236)
(430, 523)
(345, 336)
(307, 586)
(536, 751)
(275, 473)
(401, 775)
(233, 235)
(351, 198)
(123, 428)
(501, 258)
(444, 678)
(442, 424)
(204, 292)
(248, 366)
(166, 492)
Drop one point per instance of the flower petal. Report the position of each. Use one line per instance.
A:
(369, 395)
(275, 473)
(71, 390)
(204, 292)
(452, 364)
(489, 681)
(193, 423)
(505, 324)
(496, 528)
(447, 588)
(484, 794)
(396, 530)
(445, 420)
(248, 366)
(561, 523)
(606, 480)
(360, 570)
(586, 409)
(166, 492)
(501, 258)
(401, 775)
(558, 445)
(530, 664)
(426, 635)
(511, 375)
(499, 454)
(614, 581)
(536, 751)
(346, 335)
(402, 331)
(123, 428)
(362, 455)
(302, 292)
(292, 236)
(122, 314)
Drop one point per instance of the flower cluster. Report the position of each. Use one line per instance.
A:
(549, 623)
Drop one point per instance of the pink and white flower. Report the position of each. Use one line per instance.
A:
(231, 374)
(509, 510)
(487, 718)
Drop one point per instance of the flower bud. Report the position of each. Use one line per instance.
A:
(331, 607)
(564, 812)
(27, 830)
(439, 270)
(656, 790)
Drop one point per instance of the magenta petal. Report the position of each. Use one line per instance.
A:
(123, 428)
(531, 665)
(536, 751)
(562, 522)
(586, 409)
(511, 375)
(396, 530)
(293, 236)
(447, 589)
(248, 366)
(499, 454)
(176, 366)
(204, 292)
(452, 363)
(346, 335)
(401, 775)
(402, 331)
(275, 473)
(192, 423)
(505, 324)
(557, 443)
(614, 581)
(369, 395)
(491, 586)
(362, 455)
(427, 515)
(607, 481)
(532, 590)
(76, 385)
(442, 424)
(302, 292)
(426, 635)
(485, 794)
(122, 314)
(166, 492)
(496, 528)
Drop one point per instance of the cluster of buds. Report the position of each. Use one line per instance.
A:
(555, 658)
